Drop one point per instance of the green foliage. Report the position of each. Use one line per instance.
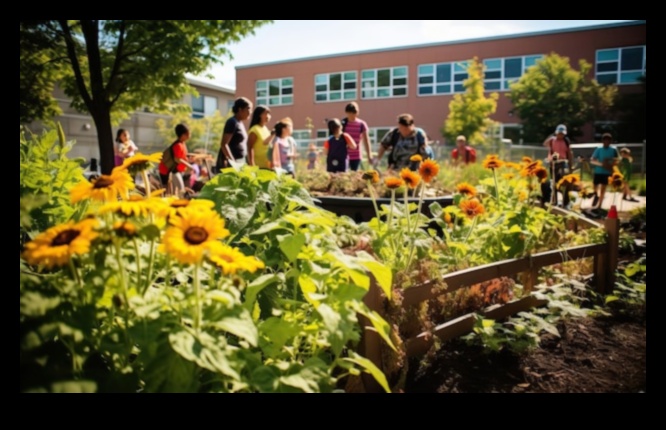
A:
(469, 113)
(45, 176)
(629, 294)
(552, 92)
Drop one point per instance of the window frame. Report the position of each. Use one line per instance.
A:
(285, 88)
(504, 81)
(618, 72)
(344, 93)
(205, 110)
(458, 75)
(373, 85)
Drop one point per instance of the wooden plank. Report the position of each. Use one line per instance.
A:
(474, 275)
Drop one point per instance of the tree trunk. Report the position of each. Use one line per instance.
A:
(102, 118)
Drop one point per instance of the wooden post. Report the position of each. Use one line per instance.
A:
(371, 343)
(612, 225)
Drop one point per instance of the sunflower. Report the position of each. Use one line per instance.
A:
(371, 175)
(231, 260)
(392, 182)
(542, 174)
(571, 179)
(492, 162)
(616, 179)
(411, 178)
(106, 188)
(56, 246)
(140, 162)
(472, 208)
(124, 229)
(192, 233)
(416, 158)
(135, 205)
(522, 196)
(174, 205)
(526, 160)
(466, 189)
(428, 170)
(529, 169)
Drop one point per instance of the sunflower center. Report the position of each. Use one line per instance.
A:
(65, 237)
(103, 182)
(196, 235)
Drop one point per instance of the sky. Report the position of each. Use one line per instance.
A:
(293, 39)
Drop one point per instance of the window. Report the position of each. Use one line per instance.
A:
(335, 86)
(203, 106)
(442, 78)
(621, 65)
(500, 73)
(302, 138)
(384, 83)
(275, 92)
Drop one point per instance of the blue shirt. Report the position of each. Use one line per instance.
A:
(603, 154)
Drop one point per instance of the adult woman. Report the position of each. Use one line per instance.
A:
(234, 137)
(259, 137)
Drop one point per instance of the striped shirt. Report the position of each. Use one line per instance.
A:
(355, 129)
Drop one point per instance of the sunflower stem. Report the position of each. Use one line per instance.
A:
(197, 301)
(390, 220)
(138, 265)
(413, 232)
(123, 286)
(146, 182)
(151, 262)
(496, 186)
(374, 200)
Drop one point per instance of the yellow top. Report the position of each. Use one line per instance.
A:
(260, 150)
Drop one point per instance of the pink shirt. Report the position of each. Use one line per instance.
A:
(560, 147)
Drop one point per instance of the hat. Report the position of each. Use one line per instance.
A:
(561, 129)
(625, 149)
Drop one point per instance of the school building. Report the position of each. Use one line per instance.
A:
(422, 79)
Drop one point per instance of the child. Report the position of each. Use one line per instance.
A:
(625, 169)
(179, 155)
(313, 156)
(284, 146)
(336, 147)
(125, 147)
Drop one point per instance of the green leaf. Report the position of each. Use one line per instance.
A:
(309, 289)
(382, 327)
(369, 367)
(265, 378)
(74, 387)
(277, 331)
(166, 371)
(204, 350)
(332, 322)
(291, 245)
(33, 304)
(240, 325)
(255, 287)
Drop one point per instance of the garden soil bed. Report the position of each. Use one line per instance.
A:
(592, 355)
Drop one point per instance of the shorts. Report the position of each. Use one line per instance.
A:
(354, 164)
(601, 178)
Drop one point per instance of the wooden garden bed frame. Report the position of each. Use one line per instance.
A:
(605, 264)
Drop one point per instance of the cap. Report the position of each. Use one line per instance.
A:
(561, 129)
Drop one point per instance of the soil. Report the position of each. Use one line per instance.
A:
(592, 355)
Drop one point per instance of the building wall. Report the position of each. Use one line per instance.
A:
(429, 111)
(142, 126)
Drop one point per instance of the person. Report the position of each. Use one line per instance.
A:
(284, 146)
(337, 147)
(358, 130)
(191, 176)
(233, 146)
(125, 147)
(313, 157)
(463, 153)
(259, 137)
(430, 153)
(603, 159)
(179, 155)
(626, 168)
(403, 142)
(560, 157)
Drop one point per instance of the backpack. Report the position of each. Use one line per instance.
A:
(168, 159)
(337, 154)
(395, 135)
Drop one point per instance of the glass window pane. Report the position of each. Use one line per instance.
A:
(425, 90)
(513, 67)
(197, 104)
(368, 94)
(608, 55)
(607, 67)
(210, 105)
(349, 86)
(274, 101)
(400, 91)
(632, 59)
(461, 66)
(287, 100)
(287, 82)
(426, 80)
(274, 88)
(383, 92)
(261, 84)
(492, 86)
(443, 73)
(630, 77)
(320, 97)
(287, 91)
(262, 101)
(368, 74)
(350, 76)
(336, 95)
(262, 93)
(320, 79)
(383, 78)
(459, 88)
(335, 82)
(531, 60)
(493, 64)
(459, 77)
(320, 88)
(607, 79)
(350, 95)
(443, 89)
(426, 69)
(400, 81)
(493, 75)
(400, 71)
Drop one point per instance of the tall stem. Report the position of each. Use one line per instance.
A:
(146, 182)
(151, 263)
(197, 300)
(138, 264)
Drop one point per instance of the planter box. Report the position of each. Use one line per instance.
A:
(360, 209)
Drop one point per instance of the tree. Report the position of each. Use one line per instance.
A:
(551, 92)
(110, 68)
(469, 113)
(631, 112)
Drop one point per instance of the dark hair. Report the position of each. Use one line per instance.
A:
(406, 119)
(181, 129)
(352, 107)
(120, 132)
(256, 114)
(279, 127)
(240, 103)
(333, 124)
